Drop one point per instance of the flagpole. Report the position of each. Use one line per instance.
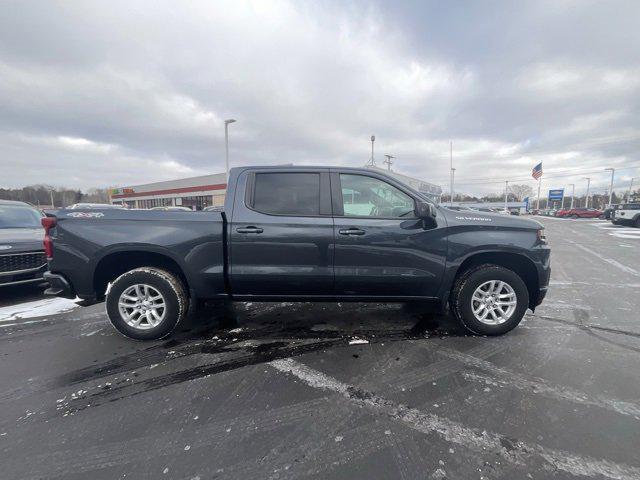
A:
(539, 182)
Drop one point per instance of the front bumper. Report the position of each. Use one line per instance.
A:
(541, 294)
(58, 285)
(23, 277)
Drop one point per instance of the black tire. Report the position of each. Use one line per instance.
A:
(637, 223)
(167, 284)
(467, 283)
(574, 216)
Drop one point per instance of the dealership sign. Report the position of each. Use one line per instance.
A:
(556, 195)
(120, 191)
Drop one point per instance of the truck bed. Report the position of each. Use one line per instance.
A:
(87, 241)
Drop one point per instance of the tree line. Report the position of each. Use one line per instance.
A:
(41, 195)
(518, 193)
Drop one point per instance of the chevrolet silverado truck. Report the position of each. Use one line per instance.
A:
(299, 234)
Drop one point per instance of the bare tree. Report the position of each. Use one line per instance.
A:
(521, 191)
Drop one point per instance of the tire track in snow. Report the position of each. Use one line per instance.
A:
(512, 451)
(507, 378)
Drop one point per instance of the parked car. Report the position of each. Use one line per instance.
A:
(172, 209)
(93, 206)
(626, 214)
(22, 258)
(580, 213)
(301, 234)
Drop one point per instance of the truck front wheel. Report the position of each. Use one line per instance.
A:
(146, 303)
(489, 299)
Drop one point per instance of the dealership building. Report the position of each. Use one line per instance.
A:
(207, 190)
(194, 192)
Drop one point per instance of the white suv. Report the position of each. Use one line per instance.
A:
(626, 214)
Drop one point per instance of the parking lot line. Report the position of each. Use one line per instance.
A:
(610, 261)
(454, 432)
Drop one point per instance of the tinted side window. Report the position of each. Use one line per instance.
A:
(364, 196)
(287, 193)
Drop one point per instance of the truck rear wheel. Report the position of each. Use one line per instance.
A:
(489, 299)
(146, 303)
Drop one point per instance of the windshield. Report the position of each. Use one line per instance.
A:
(19, 217)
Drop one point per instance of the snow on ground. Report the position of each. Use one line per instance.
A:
(38, 308)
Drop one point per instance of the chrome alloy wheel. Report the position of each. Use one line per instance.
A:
(141, 306)
(493, 302)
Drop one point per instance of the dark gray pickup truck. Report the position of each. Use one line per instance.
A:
(301, 234)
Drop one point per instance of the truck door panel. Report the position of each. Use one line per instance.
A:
(282, 234)
(381, 249)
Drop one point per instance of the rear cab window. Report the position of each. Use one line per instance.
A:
(289, 194)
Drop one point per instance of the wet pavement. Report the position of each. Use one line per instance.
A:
(293, 391)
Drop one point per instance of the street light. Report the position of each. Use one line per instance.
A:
(573, 194)
(226, 144)
(613, 171)
(451, 170)
(372, 161)
(506, 193)
(453, 175)
(629, 192)
(388, 161)
(588, 179)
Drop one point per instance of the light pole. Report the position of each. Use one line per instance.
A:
(51, 193)
(388, 161)
(629, 192)
(613, 171)
(451, 170)
(588, 179)
(372, 161)
(506, 193)
(453, 174)
(226, 144)
(573, 194)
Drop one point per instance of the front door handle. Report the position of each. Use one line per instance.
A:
(249, 230)
(351, 231)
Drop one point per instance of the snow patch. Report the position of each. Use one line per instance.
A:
(38, 308)
(358, 341)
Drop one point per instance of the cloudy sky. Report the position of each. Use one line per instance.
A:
(122, 92)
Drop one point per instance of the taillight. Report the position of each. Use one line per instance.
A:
(48, 223)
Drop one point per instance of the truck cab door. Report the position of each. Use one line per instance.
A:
(381, 248)
(281, 233)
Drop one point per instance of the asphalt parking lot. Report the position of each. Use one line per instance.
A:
(338, 391)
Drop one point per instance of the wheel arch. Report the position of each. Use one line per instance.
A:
(520, 264)
(115, 263)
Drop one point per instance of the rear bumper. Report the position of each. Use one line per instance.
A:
(58, 285)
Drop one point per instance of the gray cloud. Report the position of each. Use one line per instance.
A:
(112, 93)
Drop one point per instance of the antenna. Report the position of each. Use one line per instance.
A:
(388, 161)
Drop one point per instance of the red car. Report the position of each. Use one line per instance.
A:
(580, 213)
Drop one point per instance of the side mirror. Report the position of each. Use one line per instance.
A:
(425, 210)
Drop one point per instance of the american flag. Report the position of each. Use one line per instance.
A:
(537, 171)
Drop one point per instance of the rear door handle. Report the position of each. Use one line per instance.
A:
(249, 230)
(351, 231)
